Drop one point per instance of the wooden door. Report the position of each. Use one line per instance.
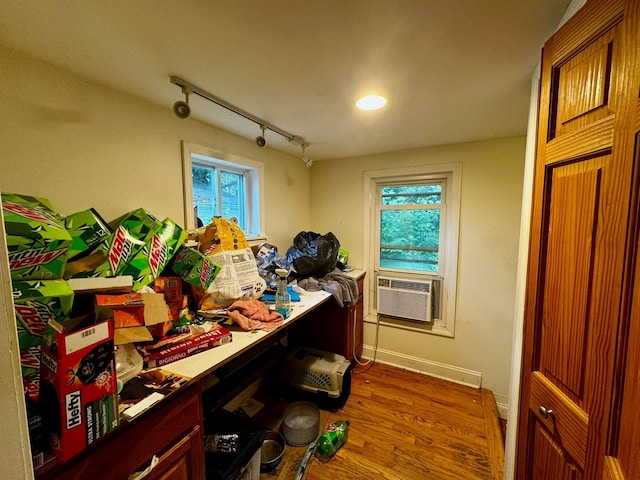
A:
(579, 252)
(623, 460)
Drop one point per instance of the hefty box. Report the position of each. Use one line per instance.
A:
(35, 303)
(149, 262)
(78, 384)
(37, 240)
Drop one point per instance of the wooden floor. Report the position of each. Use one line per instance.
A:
(407, 426)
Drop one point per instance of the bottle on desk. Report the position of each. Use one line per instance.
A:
(283, 299)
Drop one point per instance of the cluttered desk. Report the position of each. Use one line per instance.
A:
(144, 287)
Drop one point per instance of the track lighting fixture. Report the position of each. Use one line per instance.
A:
(307, 161)
(180, 108)
(260, 140)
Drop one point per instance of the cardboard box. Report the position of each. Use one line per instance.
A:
(87, 230)
(135, 315)
(130, 233)
(128, 309)
(35, 303)
(194, 268)
(148, 263)
(37, 240)
(184, 346)
(170, 287)
(78, 384)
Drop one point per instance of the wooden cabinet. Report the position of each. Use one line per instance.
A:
(583, 237)
(172, 432)
(333, 328)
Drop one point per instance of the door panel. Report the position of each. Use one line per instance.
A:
(576, 191)
(579, 254)
(550, 461)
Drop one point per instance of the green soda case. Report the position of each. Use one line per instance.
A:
(149, 262)
(35, 303)
(139, 223)
(87, 230)
(193, 267)
(37, 241)
(331, 440)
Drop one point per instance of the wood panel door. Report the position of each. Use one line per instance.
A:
(579, 252)
(623, 461)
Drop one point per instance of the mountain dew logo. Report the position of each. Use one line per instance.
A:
(30, 258)
(34, 317)
(206, 273)
(120, 249)
(28, 212)
(157, 255)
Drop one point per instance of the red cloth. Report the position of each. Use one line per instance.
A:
(254, 315)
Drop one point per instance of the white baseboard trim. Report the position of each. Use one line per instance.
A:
(502, 401)
(443, 371)
(451, 373)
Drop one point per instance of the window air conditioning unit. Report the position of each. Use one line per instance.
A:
(408, 299)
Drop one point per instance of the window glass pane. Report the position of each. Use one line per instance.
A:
(411, 194)
(232, 192)
(410, 239)
(205, 192)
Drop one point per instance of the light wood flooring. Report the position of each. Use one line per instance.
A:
(407, 426)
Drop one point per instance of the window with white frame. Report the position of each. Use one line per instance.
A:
(413, 231)
(217, 184)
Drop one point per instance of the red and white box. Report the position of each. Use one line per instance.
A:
(78, 385)
(177, 347)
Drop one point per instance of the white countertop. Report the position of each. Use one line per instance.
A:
(205, 362)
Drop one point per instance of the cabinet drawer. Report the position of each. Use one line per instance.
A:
(131, 446)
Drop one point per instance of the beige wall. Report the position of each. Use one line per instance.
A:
(492, 173)
(83, 145)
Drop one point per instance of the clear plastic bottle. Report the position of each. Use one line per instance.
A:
(283, 299)
(331, 440)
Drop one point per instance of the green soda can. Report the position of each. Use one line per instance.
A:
(331, 440)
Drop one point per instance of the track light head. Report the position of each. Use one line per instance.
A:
(260, 140)
(307, 161)
(181, 109)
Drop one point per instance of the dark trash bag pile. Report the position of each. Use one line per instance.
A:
(312, 254)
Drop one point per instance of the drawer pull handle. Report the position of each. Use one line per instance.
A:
(546, 413)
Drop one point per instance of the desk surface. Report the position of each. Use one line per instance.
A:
(203, 363)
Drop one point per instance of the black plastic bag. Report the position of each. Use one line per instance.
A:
(313, 255)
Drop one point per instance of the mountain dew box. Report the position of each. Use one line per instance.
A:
(130, 233)
(87, 230)
(194, 267)
(35, 303)
(37, 241)
(149, 262)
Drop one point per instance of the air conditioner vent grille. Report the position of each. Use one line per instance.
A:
(405, 298)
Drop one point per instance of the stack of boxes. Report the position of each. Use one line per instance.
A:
(61, 390)
(67, 351)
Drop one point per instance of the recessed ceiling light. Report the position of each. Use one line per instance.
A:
(371, 102)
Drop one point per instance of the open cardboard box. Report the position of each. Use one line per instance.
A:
(134, 316)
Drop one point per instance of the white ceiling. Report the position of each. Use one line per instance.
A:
(453, 70)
